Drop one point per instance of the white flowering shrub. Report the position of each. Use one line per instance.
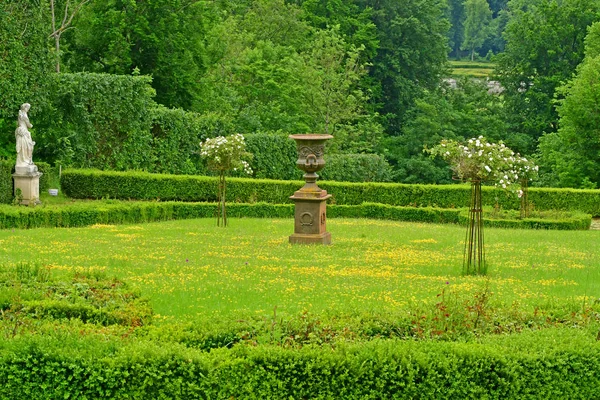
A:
(226, 153)
(480, 160)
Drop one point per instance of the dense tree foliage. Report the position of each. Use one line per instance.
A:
(545, 43)
(368, 71)
(462, 24)
(477, 25)
(446, 113)
(411, 56)
(571, 156)
(161, 38)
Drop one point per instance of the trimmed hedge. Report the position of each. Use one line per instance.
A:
(94, 184)
(6, 181)
(275, 157)
(176, 137)
(579, 221)
(357, 168)
(85, 214)
(556, 363)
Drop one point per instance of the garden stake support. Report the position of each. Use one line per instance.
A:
(474, 254)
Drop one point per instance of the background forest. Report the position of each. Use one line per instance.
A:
(132, 84)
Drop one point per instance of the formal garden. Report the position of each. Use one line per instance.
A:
(299, 199)
(135, 285)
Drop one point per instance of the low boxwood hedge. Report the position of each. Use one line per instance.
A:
(554, 363)
(117, 212)
(577, 221)
(92, 184)
(120, 212)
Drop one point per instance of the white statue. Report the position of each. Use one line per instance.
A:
(24, 142)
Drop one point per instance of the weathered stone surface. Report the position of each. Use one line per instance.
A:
(29, 184)
(310, 216)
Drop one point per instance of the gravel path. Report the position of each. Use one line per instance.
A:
(595, 224)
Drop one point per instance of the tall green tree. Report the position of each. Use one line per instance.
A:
(477, 25)
(445, 113)
(570, 157)
(161, 38)
(354, 23)
(411, 56)
(456, 16)
(544, 45)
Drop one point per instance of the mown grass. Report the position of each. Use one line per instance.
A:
(192, 269)
(472, 69)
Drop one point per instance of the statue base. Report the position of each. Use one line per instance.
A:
(27, 181)
(310, 217)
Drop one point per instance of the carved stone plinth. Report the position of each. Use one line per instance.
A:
(310, 220)
(27, 179)
(310, 216)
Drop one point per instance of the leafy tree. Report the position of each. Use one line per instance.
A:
(477, 25)
(456, 16)
(65, 21)
(411, 56)
(544, 45)
(25, 65)
(161, 38)
(269, 70)
(253, 74)
(354, 23)
(455, 114)
(571, 156)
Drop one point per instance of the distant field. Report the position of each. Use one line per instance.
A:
(471, 69)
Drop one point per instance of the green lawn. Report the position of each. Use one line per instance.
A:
(192, 269)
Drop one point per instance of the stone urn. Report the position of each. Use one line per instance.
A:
(310, 201)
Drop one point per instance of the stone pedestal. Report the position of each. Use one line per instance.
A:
(310, 219)
(310, 215)
(27, 179)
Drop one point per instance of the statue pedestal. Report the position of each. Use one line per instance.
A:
(310, 201)
(310, 217)
(27, 179)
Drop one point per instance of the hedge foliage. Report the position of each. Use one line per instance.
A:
(275, 157)
(176, 137)
(144, 186)
(576, 221)
(99, 121)
(6, 181)
(357, 168)
(111, 122)
(116, 212)
(555, 363)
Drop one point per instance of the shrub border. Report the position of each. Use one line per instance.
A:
(94, 184)
(91, 213)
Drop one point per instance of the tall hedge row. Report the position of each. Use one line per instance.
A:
(144, 186)
(176, 137)
(555, 364)
(275, 158)
(98, 121)
(6, 181)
